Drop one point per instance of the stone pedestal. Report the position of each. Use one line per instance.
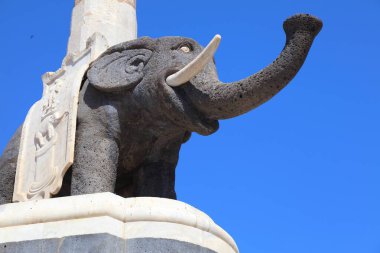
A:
(105, 222)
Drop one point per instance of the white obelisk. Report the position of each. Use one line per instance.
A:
(48, 136)
(114, 19)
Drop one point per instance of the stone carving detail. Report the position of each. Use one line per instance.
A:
(48, 137)
(48, 133)
(50, 118)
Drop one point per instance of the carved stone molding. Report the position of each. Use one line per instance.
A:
(109, 214)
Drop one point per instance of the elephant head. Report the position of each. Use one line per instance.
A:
(176, 75)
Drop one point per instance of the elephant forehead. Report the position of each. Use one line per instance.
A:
(141, 43)
(173, 41)
(159, 44)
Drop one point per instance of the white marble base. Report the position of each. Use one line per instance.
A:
(106, 213)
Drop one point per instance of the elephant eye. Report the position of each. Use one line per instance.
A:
(185, 49)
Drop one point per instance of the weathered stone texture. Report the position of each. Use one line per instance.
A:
(102, 243)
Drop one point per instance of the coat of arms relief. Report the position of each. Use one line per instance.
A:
(48, 135)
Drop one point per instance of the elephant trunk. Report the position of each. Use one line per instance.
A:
(221, 101)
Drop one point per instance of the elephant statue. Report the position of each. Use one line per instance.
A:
(140, 100)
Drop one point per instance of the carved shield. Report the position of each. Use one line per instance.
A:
(48, 135)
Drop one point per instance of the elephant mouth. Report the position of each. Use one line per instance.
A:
(181, 110)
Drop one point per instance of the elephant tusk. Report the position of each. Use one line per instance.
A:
(195, 66)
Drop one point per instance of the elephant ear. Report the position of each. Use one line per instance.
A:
(119, 70)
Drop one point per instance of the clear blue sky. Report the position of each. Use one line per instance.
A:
(300, 174)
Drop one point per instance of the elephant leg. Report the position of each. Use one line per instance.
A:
(156, 177)
(8, 165)
(155, 180)
(95, 165)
